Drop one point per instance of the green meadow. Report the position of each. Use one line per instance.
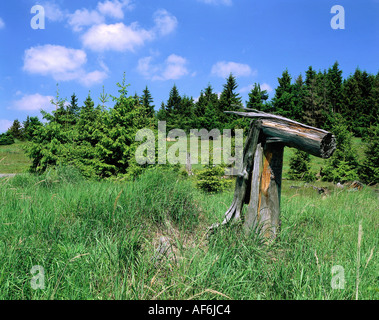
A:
(99, 239)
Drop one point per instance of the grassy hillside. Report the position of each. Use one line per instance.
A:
(98, 240)
(13, 158)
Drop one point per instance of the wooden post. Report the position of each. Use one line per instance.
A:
(189, 164)
(243, 178)
(259, 182)
(251, 219)
(263, 213)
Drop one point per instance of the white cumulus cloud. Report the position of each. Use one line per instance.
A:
(116, 37)
(84, 18)
(61, 63)
(223, 69)
(94, 77)
(165, 22)
(53, 12)
(267, 87)
(57, 61)
(174, 67)
(120, 37)
(2, 23)
(33, 102)
(115, 8)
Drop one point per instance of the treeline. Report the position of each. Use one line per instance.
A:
(319, 99)
(100, 141)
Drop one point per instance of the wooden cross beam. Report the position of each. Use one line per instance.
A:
(259, 182)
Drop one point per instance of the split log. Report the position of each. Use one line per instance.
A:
(259, 182)
(317, 142)
(244, 177)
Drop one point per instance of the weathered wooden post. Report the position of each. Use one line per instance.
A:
(189, 164)
(259, 182)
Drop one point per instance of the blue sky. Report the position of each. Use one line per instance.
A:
(88, 44)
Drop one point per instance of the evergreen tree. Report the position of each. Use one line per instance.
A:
(118, 144)
(205, 110)
(374, 101)
(161, 114)
(147, 101)
(16, 130)
(359, 107)
(60, 113)
(310, 75)
(323, 111)
(369, 170)
(312, 100)
(298, 89)
(257, 98)
(73, 108)
(342, 165)
(88, 122)
(229, 100)
(284, 99)
(300, 167)
(31, 125)
(172, 108)
(104, 98)
(334, 86)
(185, 116)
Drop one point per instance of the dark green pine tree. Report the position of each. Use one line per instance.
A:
(367, 108)
(229, 100)
(87, 124)
(147, 101)
(369, 170)
(257, 98)
(334, 86)
(73, 108)
(185, 114)
(16, 130)
(205, 110)
(137, 99)
(310, 75)
(342, 166)
(283, 101)
(161, 114)
(298, 98)
(60, 113)
(172, 108)
(312, 100)
(353, 104)
(374, 101)
(300, 168)
(31, 125)
(324, 105)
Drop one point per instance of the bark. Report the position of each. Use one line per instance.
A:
(317, 142)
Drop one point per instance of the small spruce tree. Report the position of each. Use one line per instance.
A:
(300, 167)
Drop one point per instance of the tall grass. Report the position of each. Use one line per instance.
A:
(97, 240)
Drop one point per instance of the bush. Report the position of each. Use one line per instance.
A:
(6, 139)
(211, 180)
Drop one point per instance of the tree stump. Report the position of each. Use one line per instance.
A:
(259, 182)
